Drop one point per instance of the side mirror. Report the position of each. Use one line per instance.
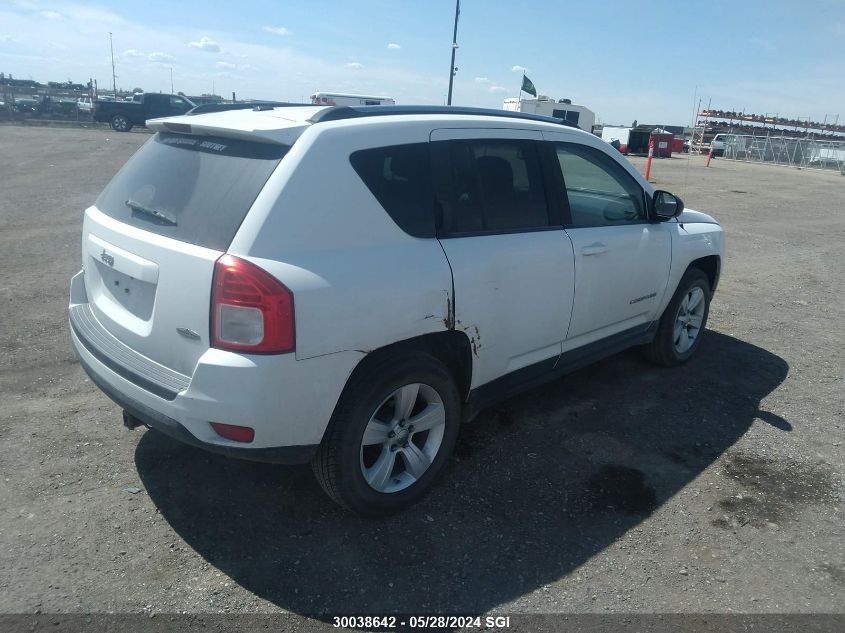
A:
(666, 205)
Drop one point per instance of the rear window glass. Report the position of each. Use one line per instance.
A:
(195, 189)
(399, 177)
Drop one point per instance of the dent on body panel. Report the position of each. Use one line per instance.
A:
(698, 240)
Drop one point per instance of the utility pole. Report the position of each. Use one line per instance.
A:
(113, 76)
(452, 69)
(171, 80)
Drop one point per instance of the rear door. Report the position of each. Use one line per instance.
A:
(151, 240)
(622, 259)
(511, 260)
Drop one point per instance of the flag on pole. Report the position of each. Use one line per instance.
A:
(528, 87)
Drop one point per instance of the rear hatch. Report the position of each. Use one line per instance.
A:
(150, 242)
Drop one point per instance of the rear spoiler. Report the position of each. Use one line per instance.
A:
(201, 126)
(250, 105)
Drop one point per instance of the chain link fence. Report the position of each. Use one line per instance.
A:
(806, 153)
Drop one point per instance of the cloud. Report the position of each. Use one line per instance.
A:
(131, 53)
(160, 57)
(90, 16)
(276, 72)
(225, 65)
(393, 46)
(519, 69)
(206, 44)
(482, 80)
(276, 30)
(496, 89)
(51, 15)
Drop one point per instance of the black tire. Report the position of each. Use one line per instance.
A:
(119, 123)
(661, 350)
(337, 464)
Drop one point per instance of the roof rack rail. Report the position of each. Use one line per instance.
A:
(339, 113)
(249, 105)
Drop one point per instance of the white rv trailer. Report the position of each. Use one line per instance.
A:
(580, 115)
(338, 98)
(619, 133)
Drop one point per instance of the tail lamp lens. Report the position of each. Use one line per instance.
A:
(250, 309)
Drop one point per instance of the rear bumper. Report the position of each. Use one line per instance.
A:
(170, 427)
(287, 402)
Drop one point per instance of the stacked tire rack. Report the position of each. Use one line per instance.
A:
(772, 139)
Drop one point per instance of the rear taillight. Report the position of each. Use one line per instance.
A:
(251, 310)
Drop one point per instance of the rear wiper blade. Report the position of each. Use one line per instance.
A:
(161, 215)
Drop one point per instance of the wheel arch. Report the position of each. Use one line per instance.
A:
(710, 265)
(450, 347)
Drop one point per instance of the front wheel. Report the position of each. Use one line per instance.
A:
(391, 434)
(683, 321)
(119, 123)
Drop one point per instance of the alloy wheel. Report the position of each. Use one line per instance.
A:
(402, 438)
(688, 320)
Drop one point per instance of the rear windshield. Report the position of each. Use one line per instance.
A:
(196, 189)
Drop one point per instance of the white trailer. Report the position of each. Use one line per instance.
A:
(342, 99)
(580, 115)
(619, 133)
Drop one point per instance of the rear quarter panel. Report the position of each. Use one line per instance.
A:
(359, 281)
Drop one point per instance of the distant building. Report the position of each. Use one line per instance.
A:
(65, 85)
(20, 83)
(580, 115)
(205, 99)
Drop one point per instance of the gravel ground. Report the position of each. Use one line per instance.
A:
(715, 487)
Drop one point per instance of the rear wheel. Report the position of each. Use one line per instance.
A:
(683, 321)
(391, 434)
(119, 123)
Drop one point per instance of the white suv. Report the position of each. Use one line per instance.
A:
(346, 285)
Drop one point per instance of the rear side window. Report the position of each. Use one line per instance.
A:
(493, 186)
(195, 189)
(399, 177)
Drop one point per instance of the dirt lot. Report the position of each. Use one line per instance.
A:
(716, 487)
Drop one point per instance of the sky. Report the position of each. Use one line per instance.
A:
(645, 60)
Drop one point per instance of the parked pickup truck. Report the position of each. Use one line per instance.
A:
(124, 115)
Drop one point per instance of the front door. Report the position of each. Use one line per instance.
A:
(622, 259)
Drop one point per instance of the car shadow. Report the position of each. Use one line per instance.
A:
(535, 489)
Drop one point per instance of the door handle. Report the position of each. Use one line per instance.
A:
(596, 248)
